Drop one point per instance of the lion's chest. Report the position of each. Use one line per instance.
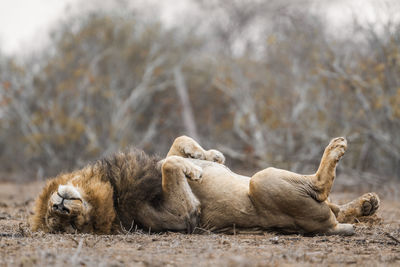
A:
(223, 196)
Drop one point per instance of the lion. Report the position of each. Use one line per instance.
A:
(191, 190)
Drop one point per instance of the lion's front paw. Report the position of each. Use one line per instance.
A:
(193, 219)
(369, 204)
(215, 155)
(337, 147)
(194, 152)
(192, 171)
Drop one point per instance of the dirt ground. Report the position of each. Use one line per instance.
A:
(376, 243)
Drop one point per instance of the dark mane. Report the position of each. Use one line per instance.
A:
(136, 181)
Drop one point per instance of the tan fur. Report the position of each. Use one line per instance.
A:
(365, 205)
(99, 215)
(196, 191)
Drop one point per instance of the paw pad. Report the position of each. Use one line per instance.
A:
(370, 204)
(337, 147)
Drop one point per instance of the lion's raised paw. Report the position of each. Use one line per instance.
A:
(337, 147)
(193, 172)
(215, 156)
(193, 152)
(369, 204)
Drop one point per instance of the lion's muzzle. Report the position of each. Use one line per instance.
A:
(65, 200)
(61, 208)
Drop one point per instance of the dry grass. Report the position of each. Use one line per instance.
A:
(376, 242)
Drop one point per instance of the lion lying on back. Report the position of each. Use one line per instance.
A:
(191, 189)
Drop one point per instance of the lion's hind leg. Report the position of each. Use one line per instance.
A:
(286, 201)
(319, 185)
(365, 205)
(186, 147)
(322, 181)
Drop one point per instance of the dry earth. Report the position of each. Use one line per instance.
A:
(377, 241)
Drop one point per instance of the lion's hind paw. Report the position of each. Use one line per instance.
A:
(369, 204)
(337, 147)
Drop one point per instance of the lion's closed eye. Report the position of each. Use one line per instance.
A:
(73, 225)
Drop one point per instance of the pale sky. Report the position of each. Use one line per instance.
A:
(24, 24)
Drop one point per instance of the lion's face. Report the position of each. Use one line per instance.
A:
(67, 211)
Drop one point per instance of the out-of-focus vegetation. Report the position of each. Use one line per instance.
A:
(265, 82)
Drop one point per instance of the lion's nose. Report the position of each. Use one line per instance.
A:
(60, 208)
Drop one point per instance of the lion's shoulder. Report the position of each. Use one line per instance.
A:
(136, 181)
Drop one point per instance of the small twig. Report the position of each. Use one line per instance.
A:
(92, 244)
(392, 237)
(21, 230)
(202, 229)
(6, 235)
(127, 231)
(78, 250)
(73, 239)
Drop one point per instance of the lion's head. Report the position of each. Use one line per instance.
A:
(75, 203)
(68, 211)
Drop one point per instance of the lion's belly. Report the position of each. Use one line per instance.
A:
(224, 198)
